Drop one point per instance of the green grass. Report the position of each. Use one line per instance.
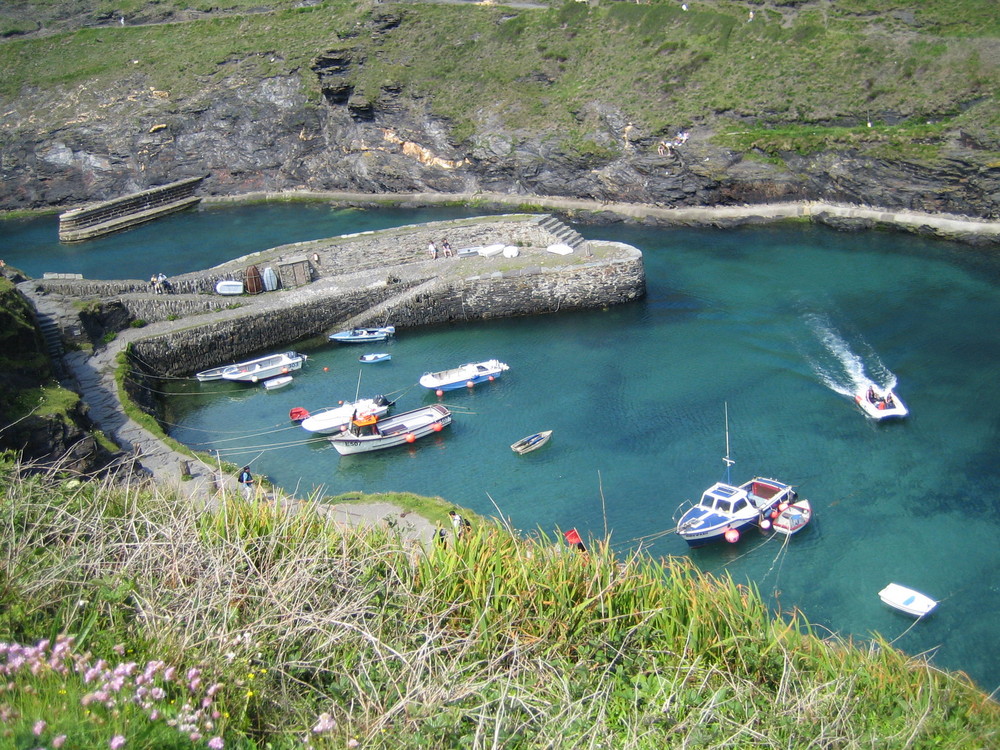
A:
(545, 69)
(314, 630)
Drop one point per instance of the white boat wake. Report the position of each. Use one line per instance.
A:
(839, 367)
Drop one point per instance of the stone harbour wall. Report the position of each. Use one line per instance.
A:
(188, 349)
(527, 291)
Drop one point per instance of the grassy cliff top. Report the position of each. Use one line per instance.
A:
(279, 628)
(550, 67)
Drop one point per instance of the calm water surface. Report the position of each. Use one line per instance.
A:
(777, 323)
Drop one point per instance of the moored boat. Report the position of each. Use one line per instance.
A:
(214, 373)
(880, 403)
(466, 375)
(725, 510)
(273, 384)
(363, 335)
(792, 518)
(262, 368)
(371, 433)
(907, 600)
(330, 419)
(531, 442)
(371, 358)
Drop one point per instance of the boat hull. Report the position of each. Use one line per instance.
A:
(394, 431)
(372, 358)
(792, 519)
(464, 376)
(330, 421)
(732, 509)
(256, 370)
(907, 600)
(531, 442)
(274, 384)
(881, 408)
(363, 335)
(229, 287)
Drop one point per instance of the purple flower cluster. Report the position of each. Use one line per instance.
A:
(156, 689)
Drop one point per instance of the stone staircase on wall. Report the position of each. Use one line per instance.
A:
(565, 234)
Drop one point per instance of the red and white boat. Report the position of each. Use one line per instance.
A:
(880, 403)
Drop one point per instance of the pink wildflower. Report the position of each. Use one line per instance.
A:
(59, 741)
(325, 724)
(118, 741)
(216, 743)
(39, 728)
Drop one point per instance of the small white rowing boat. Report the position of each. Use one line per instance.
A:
(379, 357)
(531, 442)
(273, 384)
(907, 600)
(793, 518)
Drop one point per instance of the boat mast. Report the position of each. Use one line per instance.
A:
(728, 461)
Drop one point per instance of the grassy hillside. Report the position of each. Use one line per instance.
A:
(807, 68)
(247, 627)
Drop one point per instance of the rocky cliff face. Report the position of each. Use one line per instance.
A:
(250, 135)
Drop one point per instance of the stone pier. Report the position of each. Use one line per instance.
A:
(127, 211)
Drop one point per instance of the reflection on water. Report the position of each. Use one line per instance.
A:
(778, 323)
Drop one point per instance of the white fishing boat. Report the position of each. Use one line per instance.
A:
(377, 357)
(463, 376)
(273, 384)
(907, 600)
(726, 509)
(332, 418)
(791, 519)
(363, 335)
(372, 434)
(880, 403)
(531, 442)
(262, 368)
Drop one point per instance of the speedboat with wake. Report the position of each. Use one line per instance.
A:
(880, 403)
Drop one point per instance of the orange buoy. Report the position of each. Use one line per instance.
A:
(492, 378)
(438, 393)
(410, 437)
(469, 383)
(437, 427)
(732, 536)
(326, 369)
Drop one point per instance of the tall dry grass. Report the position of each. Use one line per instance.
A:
(332, 635)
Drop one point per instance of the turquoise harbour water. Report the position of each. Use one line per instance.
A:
(776, 324)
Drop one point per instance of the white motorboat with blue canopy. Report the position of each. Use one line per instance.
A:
(463, 376)
(726, 509)
(363, 335)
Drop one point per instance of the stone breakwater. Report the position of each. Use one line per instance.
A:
(371, 278)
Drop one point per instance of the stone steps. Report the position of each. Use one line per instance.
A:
(564, 233)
